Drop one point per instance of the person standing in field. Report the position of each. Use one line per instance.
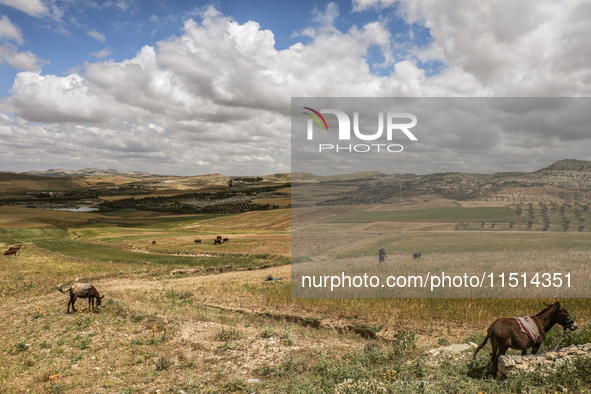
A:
(382, 254)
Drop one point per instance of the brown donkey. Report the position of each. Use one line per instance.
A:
(505, 333)
(82, 290)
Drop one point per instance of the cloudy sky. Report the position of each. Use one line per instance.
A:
(183, 87)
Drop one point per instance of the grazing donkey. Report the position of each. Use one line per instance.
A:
(11, 252)
(416, 255)
(507, 333)
(153, 242)
(82, 290)
(225, 240)
(217, 241)
(197, 241)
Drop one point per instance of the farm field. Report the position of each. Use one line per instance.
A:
(222, 328)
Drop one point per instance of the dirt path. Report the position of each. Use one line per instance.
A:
(225, 291)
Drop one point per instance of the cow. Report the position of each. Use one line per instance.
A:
(153, 242)
(82, 290)
(217, 241)
(416, 256)
(197, 241)
(11, 252)
(225, 240)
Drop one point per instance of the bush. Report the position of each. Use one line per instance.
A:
(235, 384)
(162, 364)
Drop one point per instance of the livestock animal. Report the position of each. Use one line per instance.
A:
(11, 252)
(217, 241)
(83, 290)
(219, 237)
(197, 241)
(225, 240)
(505, 333)
(153, 242)
(416, 255)
(15, 247)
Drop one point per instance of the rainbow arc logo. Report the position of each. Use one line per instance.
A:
(315, 118)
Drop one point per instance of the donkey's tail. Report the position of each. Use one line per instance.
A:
(488, 335)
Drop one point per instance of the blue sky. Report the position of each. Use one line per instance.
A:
(190, 88)
(121, 29)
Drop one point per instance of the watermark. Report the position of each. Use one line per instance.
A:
(428, 197)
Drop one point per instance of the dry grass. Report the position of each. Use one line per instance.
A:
(14, 217)
(216, 331)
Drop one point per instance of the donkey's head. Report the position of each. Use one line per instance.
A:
(564, 318)
(99, 300)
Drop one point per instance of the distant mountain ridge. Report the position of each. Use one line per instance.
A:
(568, 165)
(60, 172)
(562, 165)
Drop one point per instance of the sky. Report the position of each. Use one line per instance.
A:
(188, 88)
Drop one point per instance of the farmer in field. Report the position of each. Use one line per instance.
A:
(382, 254)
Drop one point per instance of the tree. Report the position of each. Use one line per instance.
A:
(518, 211)
(511, 224)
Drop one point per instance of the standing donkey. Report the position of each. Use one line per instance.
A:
(83, 290)
(507, 333)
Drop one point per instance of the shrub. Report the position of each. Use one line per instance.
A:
(162, 364)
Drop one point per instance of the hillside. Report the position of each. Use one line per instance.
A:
(564, 181)
(568, 165)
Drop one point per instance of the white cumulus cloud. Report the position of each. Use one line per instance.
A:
(217, 96)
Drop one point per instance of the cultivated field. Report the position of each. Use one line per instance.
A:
(222, 328)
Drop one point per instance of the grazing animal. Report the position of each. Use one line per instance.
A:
(197, 241)
(416, 255)
(11, 252)
(505, 333)
(83, 290)
(153, 242)
(217, 241)
(15, 247)
(225, 240)
(219, 237)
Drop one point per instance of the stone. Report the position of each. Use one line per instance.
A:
(506, 364)
(550, 356)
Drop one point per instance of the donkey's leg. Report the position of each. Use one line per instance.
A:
(535, 348)
(502, 350)
(495, 347)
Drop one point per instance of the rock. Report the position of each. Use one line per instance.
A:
(547, 361)
(473, 344)
(550, 356)
(506, 364)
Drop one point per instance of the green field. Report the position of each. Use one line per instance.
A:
(214, 332)
(449, 214)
